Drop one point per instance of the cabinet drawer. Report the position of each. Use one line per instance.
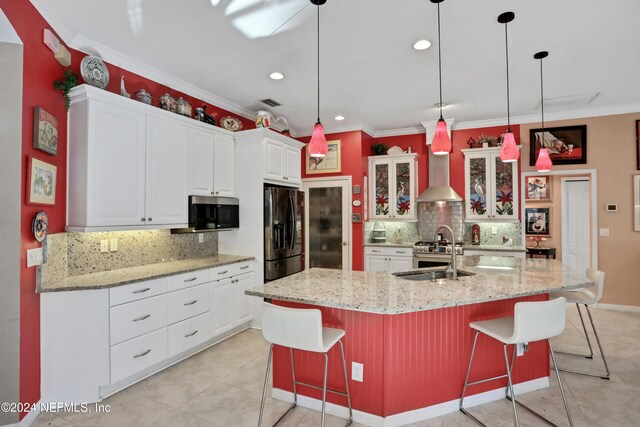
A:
(188, 303)
(137, 354)
(387, 251)
(231, 270)
(137, 318)
(137, 291)
(185, 280)
(188, 333)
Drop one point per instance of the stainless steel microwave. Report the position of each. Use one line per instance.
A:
(212, 214)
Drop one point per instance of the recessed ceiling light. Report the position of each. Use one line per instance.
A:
(276, 76)
(422, 45)
(339, 117)
(437, 105)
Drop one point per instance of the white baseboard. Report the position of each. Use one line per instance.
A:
(28, 419)
(618, 307)
(410, 416)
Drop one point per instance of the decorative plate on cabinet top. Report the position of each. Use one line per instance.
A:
(231, 123)
(94, 72)
(40, 226)
(395, 150)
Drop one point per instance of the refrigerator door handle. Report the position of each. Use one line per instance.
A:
(292, 225)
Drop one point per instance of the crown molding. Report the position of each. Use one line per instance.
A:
(399, 132)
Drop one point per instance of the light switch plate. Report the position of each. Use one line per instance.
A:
(34, 257)
(113, 245)
(604, 232)
(104, 246)
(200, 238)
(494, 230)
(357, 371)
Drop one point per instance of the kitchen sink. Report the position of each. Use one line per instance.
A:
(430, 274)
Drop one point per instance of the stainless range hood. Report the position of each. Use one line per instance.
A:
(439, 189)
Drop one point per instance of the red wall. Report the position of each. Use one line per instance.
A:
(40, 71)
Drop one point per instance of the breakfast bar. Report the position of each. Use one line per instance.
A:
(413, 337)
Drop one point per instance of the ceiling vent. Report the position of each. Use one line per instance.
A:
(270, 102)
(569, 101)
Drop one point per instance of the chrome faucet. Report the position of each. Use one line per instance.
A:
(454, 276)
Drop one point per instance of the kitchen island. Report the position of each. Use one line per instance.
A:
(413, 337)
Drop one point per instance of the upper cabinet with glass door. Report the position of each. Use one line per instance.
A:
(491, 186)
(392, 187)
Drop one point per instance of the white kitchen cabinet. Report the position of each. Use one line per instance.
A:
(166, 166)
(393, 187)
(282, 162)
(224, 166)
(131, 165)
(201, 155)
(388, 259)
(491, 186)
(132, 331)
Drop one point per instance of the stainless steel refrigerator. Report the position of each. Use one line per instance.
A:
(283, 232)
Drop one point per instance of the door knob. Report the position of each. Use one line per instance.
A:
(344, 243)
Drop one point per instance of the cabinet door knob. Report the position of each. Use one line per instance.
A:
(217, 192)
(149, 219)
(143, 219)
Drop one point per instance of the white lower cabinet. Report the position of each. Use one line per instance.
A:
(138, 354)
(129, 332)
(188, 334)
(387, 259)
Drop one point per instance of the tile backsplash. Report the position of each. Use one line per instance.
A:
(407, 232)
(509, 231)
(72, 254)
(433, 214)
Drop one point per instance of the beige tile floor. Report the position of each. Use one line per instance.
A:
(222, 387)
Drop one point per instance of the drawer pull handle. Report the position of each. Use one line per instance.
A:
(223, 272)
(137, 319)
(139, 291)
(400, 252)
(191, 303)
(190, 280)
(191, 334)
(376, 251)
(244, 268)
(142, 354)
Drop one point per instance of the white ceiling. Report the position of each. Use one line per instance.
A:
(369, 71)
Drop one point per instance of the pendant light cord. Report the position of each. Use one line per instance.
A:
(542, 96)
(439, 62)
(506, 40)
(318, 51)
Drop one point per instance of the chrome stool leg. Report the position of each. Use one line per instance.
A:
(324, 387)
(466, 382)
(604, 359)
(586, 335)
(564, 398)
(510, 385)
(264, 388)
(346, 383)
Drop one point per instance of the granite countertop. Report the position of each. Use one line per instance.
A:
(123, 276)
(503, 248)
(496, 278)
(391, 245)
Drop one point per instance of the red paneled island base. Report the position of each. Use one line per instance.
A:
(412, 360)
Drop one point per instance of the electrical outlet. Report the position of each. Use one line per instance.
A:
(34, 257)
(522, 348)
(494, 230)
(357, 371)
(200, 238)
(113, 245)
(104, 245)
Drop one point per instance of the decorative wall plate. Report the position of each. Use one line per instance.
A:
(231, 123)
(94, 71)
(40, 226)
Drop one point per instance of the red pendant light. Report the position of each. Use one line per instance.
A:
(543, 162)
(509, 151)
(318, 146)
(441, 143)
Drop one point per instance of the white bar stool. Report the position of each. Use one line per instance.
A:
(301, 329)
(531, 321)
(587, 296)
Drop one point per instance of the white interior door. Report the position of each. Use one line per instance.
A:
(328, 222)
(576, 223)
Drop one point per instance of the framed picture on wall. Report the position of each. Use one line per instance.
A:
(41, 182)
(566, 145)
(539, 188)
(331, 163)
(638, 144)
(537, 221)
(45, 131)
